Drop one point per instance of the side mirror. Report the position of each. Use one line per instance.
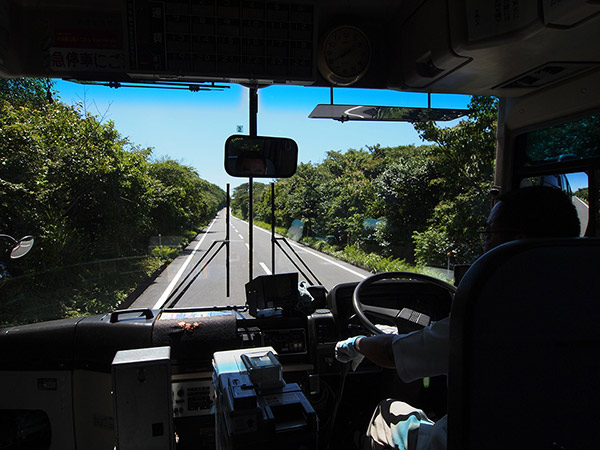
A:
(21, 246)
(260, 156)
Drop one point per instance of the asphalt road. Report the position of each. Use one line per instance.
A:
(582, 212)
(184, 283)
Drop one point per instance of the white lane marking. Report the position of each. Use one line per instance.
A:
(581, 202)
(300, 247)
(265, 268)
(329, 261)
(247, 245)
(165, 295)
(241, 237)
(266, 231)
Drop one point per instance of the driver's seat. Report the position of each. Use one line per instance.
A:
(524, 367)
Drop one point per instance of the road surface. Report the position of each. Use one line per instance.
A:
(583, 213)
(183, 281)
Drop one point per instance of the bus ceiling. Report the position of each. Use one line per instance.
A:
(505, 49)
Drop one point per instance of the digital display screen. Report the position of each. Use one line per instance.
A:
(234, 38)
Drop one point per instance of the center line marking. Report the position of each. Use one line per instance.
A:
(314, 253)
(265, 268)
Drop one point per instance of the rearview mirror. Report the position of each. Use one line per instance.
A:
(344, 113)
(260, 156)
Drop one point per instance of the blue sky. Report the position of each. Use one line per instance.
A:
(191, 127)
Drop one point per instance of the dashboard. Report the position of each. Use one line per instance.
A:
(65, 368)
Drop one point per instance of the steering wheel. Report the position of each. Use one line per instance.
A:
(360, 308)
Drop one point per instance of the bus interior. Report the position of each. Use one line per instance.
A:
(137, 378)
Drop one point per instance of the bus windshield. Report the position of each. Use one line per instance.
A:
(125, 192)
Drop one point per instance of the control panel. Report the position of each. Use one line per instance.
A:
(292, 341)
(192, 398)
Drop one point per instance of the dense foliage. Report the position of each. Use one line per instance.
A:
(583, 194)
(571, 140)
(465, 158)
(87, 195)
(420, 204)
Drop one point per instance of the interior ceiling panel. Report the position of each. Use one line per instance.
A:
(507, 48)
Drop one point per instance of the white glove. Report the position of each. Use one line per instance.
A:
(345, 351)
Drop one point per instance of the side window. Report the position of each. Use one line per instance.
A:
(576, 185)
(580, 189)
(566, 156)
(575, 140)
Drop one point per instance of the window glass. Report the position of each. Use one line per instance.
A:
(579, 185)
(578, 139)
(574, 184)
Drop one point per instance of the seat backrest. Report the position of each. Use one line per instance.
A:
(524, 368)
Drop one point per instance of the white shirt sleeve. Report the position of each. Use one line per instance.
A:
(422, 353)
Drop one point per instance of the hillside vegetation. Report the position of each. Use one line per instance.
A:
(420, 204)
(94, 201)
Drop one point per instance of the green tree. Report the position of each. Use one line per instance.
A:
(577, 138)
(350, 195)
(409, 190)
(71, 182)
(240, 201)
(29, 92)
(181, 199)
(583, 194)
(466, 166)
(91, 199)
(409, 202)
(302, 197)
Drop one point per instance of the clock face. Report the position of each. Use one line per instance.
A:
(345, 55)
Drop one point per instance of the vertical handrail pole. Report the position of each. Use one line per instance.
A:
(272, 227)
(253, 93)
(250, 228)
(227, 260)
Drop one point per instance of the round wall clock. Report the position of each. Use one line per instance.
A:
(344, 56)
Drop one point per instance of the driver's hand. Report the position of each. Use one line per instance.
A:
(345, 351)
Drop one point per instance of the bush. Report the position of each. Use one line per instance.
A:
(189, 236)
(431, 247)
(583, 194)
(372, 261)
(164, 253)
(267, 226)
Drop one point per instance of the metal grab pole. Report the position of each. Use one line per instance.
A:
(273, 228)
(227, 266)
(250, 228)
(253, 93)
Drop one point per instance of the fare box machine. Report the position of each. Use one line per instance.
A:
(255, 407)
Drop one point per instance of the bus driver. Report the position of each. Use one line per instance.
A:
(531, 212)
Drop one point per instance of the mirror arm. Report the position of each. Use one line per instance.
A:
(253, 110)
(10, 238)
